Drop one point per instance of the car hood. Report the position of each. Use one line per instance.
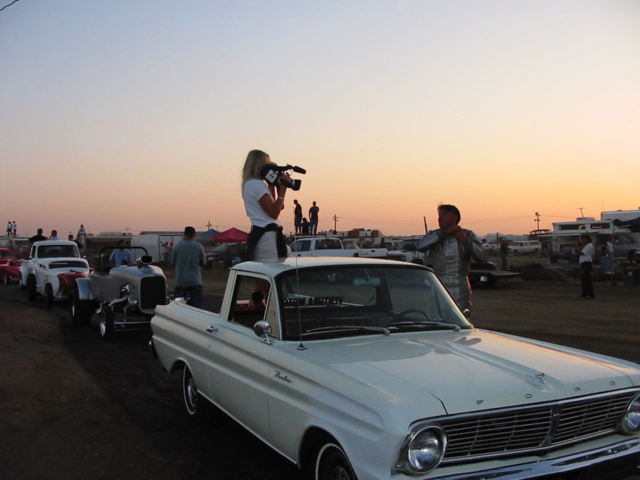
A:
(471, 370)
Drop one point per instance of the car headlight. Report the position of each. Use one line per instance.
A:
(132, 301)
(423, 450)
(630, 423)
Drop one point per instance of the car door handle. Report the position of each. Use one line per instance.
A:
(212, 329)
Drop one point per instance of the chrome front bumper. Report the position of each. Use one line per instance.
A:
(555, 466)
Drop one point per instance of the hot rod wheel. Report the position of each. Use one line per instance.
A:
(81, 310)
(106, 323)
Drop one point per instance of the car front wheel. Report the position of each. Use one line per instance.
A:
(48, 295)
(106, 323)
(331, 463)
(31, 288)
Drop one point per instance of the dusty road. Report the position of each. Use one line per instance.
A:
(74, 407)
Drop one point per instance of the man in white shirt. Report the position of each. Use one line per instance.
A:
(587, 253)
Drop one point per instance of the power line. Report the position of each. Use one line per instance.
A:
(9, 4)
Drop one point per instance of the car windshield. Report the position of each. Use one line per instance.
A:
(53, 251)
(328, 302)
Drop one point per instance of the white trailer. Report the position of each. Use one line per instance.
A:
(158, 244)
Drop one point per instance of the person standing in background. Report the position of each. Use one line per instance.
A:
(14, 229)
(504, 250)
(297, 217)
(81, 236)
(587, 251)
(188, 256)
(38, 237)
(9, 228)
(54, 235)
(607, 255)
(313, 218)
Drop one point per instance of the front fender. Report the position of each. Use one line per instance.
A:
(85, 292)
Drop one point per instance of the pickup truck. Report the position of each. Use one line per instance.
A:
(366, 369)
(332, 247)
(51, 270)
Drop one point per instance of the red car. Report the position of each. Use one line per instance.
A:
(9, 266)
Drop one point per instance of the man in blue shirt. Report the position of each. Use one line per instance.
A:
(120, 256)
(188, 257)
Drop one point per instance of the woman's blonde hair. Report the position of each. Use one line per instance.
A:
(256, 159)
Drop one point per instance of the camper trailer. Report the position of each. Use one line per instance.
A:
(625, 218)
(563, 240)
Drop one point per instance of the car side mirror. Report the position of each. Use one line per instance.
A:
(262, 329)
(467, 313)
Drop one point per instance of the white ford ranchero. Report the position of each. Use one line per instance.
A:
(367, 369)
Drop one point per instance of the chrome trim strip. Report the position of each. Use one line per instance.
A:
(553, 466)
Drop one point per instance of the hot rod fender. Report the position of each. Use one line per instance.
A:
(85, 292)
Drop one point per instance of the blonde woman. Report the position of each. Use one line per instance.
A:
(265, 241)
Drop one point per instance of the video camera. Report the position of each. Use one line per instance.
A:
(274, 175)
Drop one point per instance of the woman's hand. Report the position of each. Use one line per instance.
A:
(283, 188)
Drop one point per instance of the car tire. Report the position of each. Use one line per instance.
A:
(106, 326)
(330, 462)
(31, 288)
(20, 283)
(48, 295)
(193, 401)
(81, 310)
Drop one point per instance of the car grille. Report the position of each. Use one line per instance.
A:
(153, 291)
(532, 429)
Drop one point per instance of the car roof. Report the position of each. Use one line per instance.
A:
(291, 263)
(55, 242)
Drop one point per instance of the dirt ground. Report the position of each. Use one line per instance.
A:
(74, 407)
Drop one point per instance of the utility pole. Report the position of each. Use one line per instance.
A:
(424, 219)
(537, 220)
(335, 224)
(209, 225)
(581, 214)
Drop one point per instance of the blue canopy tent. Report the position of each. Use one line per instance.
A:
(209, 233)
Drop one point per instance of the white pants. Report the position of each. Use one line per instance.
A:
(266, 249)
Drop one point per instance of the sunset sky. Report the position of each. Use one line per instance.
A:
(138, 115)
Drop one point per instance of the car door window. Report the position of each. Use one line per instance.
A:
(250, 300)
(301, 246)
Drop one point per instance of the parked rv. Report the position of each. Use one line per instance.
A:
(564, 237)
